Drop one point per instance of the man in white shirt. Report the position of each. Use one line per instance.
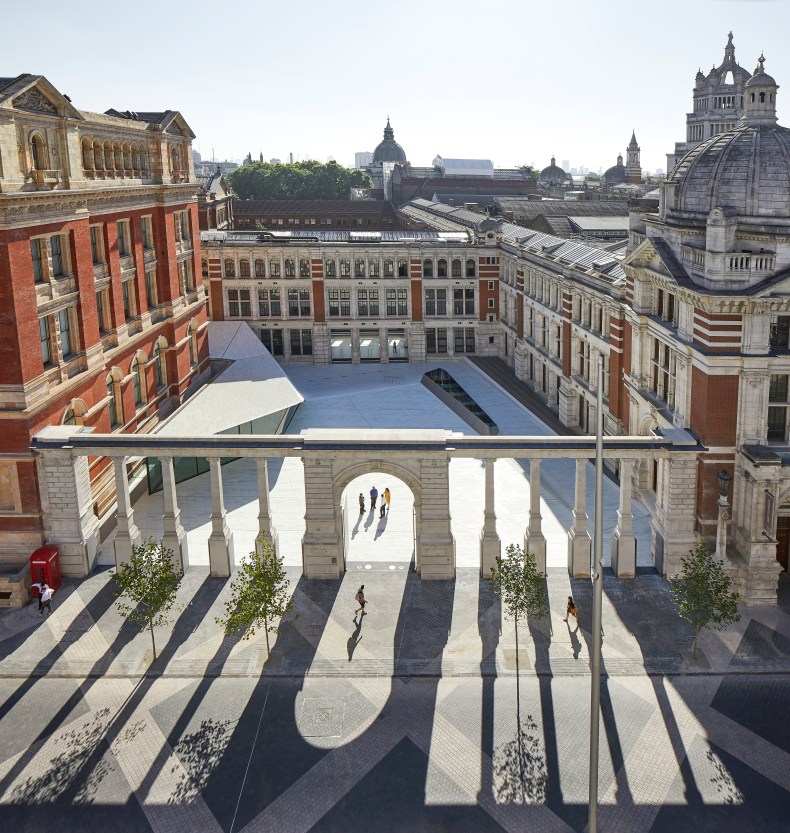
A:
(45, 594)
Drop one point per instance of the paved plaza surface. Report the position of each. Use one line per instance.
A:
(419, 717)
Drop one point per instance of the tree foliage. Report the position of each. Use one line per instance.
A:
(259, 595)
(522, 588)
(309, 180)
(528, 170)
(702, 592)
(147, 586)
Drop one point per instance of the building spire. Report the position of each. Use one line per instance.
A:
(389, 133)
(633, 145)
(729, 50)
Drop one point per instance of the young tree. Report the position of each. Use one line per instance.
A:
(517, 580)
(149, 581)
(259, 595)
(702, 592)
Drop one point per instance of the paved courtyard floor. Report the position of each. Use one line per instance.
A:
(422, 716)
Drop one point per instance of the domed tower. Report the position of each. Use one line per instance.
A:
(616, 174)
(718, 100)
(734, 186)
(633, 167)
(553, 176)
(387, 154)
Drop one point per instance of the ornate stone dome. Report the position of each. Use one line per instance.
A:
(553, 175)
(746, 169)
(389, 150)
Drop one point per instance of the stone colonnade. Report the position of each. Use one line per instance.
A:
(332, 459)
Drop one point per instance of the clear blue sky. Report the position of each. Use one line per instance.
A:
(511, 81)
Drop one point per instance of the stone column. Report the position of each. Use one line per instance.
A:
(66, 502)
(623, 541)
(127, 535)
(384, 345)
(579, 541)
(534, 540)
(175, 538)
(436, 543)
(265, 528)
(220, 542)
(322, 549)
(490, 545)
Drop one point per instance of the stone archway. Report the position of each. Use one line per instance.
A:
(327, 475)
(351, 473)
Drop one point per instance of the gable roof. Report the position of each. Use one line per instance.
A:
(34, 93)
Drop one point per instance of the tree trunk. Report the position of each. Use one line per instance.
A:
(151, 628)
(515, 619)
(266, 631)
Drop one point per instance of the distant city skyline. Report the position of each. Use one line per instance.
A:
(513, 97)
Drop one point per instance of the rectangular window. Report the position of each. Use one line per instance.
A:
(333, 296)
(150, 288)
(246, 305)
(780, 332)
(293, 303)
(148, 235)
(276, 307)
(391, 302)
(38, 267)
(101, 312)
(663, 376)
(345, 303)
(362, 303)
(233, 303)
(403, 302)
(436, 340)
(46, 345)
(301, 343)
(124, 246)
(263, 303)
(464, 301)
(96, 245)
(430, 302)
(56, 251)
(128, 299)
(304, 303)
(65, 333)
(185, 226)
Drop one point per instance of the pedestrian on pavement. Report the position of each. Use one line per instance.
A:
(383, 508)
(374, 494)
(45, 594)
(572, 610)
(387, 497)
(360, 597)
(361, 504)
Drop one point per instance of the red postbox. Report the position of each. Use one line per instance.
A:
(45, 566)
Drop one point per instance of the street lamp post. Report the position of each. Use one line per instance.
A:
(724, 514)
(596, 570)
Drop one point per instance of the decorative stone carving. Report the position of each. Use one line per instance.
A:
(35, 101)
(175, 129)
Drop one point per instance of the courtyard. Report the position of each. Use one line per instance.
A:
(417, 717)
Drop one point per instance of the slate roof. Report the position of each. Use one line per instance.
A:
(525, 211)
(295, 207)
(136, 115)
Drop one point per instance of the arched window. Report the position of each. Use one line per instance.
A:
(230, 269)
(75, 413)
(427, 268)
(260, 268)
(117, 156)
(389, 268)
(304, 268)
(441, 268)
(762, 98)
(143, 159)
(39, 152)
(403, 267)
(108, 166)
(290, 268)
(69, 417)
(470, 268)
(752, 97)
(345, 268)
(113, 401)
(135, 158)
(244, 268)
(127, 157)
(136, 382)
(98, 159)
(359, 268)
(330, 268)
(87, 155)
(160, 371)
(204, 267)
(457, 268)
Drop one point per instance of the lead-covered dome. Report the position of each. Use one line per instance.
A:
(553, 174)
(746, 169)
(389, 150)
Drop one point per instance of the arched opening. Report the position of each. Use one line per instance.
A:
(372, 540)
(39, 150)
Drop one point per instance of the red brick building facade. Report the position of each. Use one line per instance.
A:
(102, 308)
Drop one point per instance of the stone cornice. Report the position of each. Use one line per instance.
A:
(27, 208)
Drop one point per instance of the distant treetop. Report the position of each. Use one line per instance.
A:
(309, 180)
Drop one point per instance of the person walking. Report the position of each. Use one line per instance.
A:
(572, 610)
(360, 597)
(374, 494)
(387, 497)
(45, 594)
(383, 508)
(361, 504)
